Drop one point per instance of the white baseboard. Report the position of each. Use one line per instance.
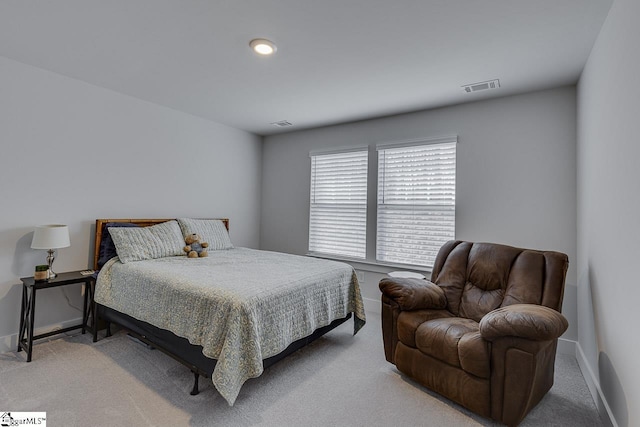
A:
(10, 342)
(566, 346)
(594, 387)
(372, 306)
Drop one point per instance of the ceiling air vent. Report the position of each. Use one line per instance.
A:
(282, 124)
(475, 87)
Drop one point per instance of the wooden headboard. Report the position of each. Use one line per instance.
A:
(100, 223)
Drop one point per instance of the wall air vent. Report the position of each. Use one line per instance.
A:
(475, 87)
(282, 124)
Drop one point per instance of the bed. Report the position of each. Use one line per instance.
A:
(226, 316)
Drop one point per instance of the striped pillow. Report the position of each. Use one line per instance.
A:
(157, 241)
(211, 231)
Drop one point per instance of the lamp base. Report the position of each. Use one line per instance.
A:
(50, 258)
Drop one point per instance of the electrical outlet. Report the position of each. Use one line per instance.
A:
(360, 275)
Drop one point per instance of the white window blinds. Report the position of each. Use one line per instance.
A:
(416, 201)
(338, 208)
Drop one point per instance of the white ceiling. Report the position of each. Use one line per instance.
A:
(337, 60)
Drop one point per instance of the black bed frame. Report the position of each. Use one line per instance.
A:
(182, 350)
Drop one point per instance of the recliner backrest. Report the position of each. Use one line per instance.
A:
(480, 277)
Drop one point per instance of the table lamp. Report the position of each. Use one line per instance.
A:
(50, 237)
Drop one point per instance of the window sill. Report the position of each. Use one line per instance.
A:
(374, 266)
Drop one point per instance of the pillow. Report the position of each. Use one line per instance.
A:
(107, 247)
(211, 231)
(157, 241)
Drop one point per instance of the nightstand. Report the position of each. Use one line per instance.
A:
(27, 313)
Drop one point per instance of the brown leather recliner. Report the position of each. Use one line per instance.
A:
(484, 331)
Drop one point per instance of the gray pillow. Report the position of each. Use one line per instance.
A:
(211, 231)
(157, 241)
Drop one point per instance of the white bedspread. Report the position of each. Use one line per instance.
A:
(241, 305)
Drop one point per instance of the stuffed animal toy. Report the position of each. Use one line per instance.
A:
(195, 248)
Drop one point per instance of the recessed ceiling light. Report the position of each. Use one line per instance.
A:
(263, 46)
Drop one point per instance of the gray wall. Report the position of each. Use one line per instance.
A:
(72, 152)
(516, 181)
(608, 220)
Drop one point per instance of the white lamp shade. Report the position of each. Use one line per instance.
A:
(52, 236)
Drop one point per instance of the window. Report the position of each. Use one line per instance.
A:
(338, 208)
(416, 200)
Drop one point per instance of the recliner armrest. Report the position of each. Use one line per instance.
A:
(530, 321)
(413, 294)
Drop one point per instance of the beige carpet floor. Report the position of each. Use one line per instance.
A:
(339, 380)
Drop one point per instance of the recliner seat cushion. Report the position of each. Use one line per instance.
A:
(455, 341)
(409, 321)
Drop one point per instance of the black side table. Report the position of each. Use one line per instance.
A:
(27, 314)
